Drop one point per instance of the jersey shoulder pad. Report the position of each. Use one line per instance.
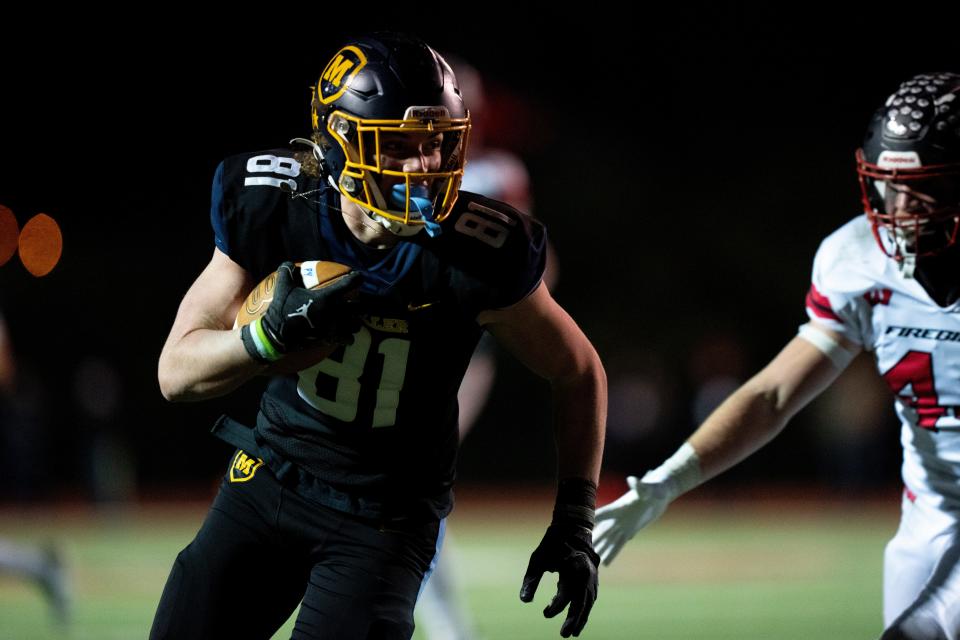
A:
(848, 261)
(847, 267)
(249, 202)
(499, 247)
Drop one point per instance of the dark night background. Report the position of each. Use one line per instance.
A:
(687, 166)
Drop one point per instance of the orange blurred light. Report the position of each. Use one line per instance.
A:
(9, 230)
(41, 244)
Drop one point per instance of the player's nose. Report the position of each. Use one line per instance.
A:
(905, 202)
(416, 163)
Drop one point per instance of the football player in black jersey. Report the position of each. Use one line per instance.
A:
(338, 494)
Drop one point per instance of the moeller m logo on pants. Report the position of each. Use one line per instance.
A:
(243, 467)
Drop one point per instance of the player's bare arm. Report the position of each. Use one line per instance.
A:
(545, 338)
(752, 416)
(759, 409)
(203, 356)
(305, 324)
(542, 336)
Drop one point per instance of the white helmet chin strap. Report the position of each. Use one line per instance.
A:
(900, 246)
(907, 266)
(317, 151)
(908, 258)
(394, 227)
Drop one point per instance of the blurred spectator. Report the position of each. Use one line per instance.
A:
(97, 391)
(716, 369)
(641, 419)
(40, 565)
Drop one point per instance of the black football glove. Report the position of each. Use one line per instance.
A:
(566, 549)
(298, 318)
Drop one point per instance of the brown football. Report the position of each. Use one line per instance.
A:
(316, 274)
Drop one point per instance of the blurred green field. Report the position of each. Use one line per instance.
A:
(793, 569)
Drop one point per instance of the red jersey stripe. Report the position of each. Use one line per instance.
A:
(819, 305)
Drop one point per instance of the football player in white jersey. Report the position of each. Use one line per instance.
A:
(887, 282)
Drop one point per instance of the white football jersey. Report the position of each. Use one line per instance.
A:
(858, 292)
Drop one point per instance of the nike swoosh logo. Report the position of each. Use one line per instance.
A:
(418, 307)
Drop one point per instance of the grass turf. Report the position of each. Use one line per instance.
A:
(707, 570)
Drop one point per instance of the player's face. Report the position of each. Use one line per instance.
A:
(920, 197)
(415, 152)
(411, 152)
(924, 208)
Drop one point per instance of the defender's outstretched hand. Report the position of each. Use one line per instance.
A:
(621, 519)
(646, 501)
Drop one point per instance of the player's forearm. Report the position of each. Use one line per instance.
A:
(580, 414)
(741, 425)
(759, 410)
(204, 363)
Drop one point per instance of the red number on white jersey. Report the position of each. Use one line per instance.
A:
(916, 369)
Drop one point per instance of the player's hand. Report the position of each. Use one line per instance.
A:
(620, 520)
(297, 317)
(566, 549)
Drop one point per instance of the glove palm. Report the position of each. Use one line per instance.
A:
(620, 520)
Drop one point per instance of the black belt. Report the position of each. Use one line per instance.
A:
(236, 434)
(305, 484)
(244, 438)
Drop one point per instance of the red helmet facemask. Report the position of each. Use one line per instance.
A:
(914, 211)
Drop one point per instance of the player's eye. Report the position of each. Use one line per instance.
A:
(912, 193)
(391, 146)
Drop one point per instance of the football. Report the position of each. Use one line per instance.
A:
(316, 274)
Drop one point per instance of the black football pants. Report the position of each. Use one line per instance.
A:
(262, 549)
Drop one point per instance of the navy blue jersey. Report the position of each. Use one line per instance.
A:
(375, 423)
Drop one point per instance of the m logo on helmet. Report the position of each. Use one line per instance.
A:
(339, 72)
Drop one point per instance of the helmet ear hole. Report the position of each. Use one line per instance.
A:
(349, 184)
(341, 127)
